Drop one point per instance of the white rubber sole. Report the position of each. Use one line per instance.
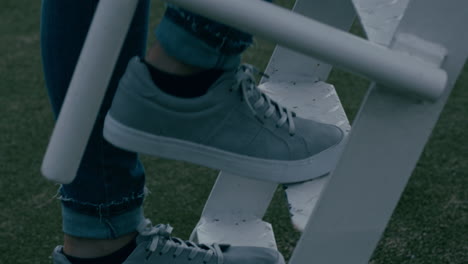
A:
(278, 171)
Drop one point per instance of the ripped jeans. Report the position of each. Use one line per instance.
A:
(105, 199)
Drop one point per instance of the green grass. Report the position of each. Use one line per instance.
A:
(430, 224)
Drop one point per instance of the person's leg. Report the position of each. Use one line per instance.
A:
(102, 206)
(197, 42)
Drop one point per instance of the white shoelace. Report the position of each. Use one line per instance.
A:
(161, 237)
(246, 82)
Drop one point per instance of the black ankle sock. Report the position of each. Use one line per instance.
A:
(184, 86)
(117, 257)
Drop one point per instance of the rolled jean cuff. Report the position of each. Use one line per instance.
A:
(192, 50)
(95, 227)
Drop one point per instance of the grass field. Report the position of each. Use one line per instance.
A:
(430, 224)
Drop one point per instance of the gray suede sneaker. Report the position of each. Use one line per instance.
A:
(155, 245)
(234, 127)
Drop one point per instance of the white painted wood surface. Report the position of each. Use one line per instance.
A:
(380, 18)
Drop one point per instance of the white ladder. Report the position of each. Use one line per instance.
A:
(342, 215)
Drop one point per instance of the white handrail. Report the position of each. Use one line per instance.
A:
(87, 88)
(393, 69)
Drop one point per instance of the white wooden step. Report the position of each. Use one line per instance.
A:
(253, 232)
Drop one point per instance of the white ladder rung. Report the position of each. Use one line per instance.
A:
(254, 232)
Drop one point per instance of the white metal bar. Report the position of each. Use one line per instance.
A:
(384, 146)
(399, 71)
(87, 88)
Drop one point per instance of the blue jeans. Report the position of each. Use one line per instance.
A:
(105, 199)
